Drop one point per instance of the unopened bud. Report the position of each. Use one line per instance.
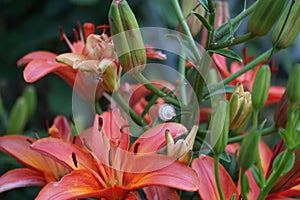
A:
(249, 149)
(291, 28)
(30, 97)
(219, 126)
(240, 107)
(17, 117)
(264, 16)
(127, 37)
(110, 74)
(293, 85)
(260, 89)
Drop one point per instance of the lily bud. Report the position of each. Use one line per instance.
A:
(290, 30)
(127, 37)
(219, 126)
(280, 115)
(261, 87)
(183, 148)
(240, 107)
(249, 149)
(293, 85)
(17, 117)
(264, 16)
(30, 97)
(110, 74)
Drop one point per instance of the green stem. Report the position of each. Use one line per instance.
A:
(255, 117)
(135, 117)
(223, 30)
(247, 67)
(244, 185)
(181, 70)
(143, 80)
(217, 176)
(212, 14)
(235, 41)
(266, 131)
(275, 174)
(199, 83)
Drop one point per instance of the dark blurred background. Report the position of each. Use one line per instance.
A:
(27, 26)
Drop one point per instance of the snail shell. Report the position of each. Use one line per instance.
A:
(166, 112)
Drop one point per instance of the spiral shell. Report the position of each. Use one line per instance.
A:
(166, 112)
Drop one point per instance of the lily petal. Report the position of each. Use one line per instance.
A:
(44, 55)
(158, 170)
(39, 68)
(204, 166)
(22, 177)
(18, 146)
(62, 125)
(77, 184)
(160, 192)
(154, 138)
(53, 148)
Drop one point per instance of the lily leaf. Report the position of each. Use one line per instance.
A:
(288, 166)
(204, 4)
(227, 53)
(203, 21)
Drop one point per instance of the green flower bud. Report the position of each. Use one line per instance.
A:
(17, 117)
(219, 126)
(260, 89)
(110, 74)
(127, 37)
(240, 107)
(249, 149)
(264, 16)
(293, 85)
(290, 30)
(30, 97)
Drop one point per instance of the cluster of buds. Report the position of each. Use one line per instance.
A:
(183, 148)
(127, 37)
(264, 16)
(240, 107)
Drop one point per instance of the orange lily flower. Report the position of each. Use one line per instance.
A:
(39, 169)
(247, 79)
(118, 171)
(286, 186)
(88, 50)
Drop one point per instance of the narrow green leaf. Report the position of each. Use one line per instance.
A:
(204, 4)
(228, 34)
(288, 165)
(258, 177)
(203, 20)
(227, 53)
(233, 196)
